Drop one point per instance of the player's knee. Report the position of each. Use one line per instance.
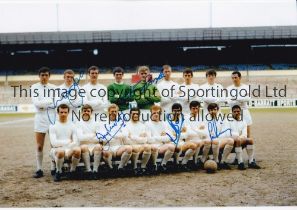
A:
(77, 152)
(84, 148)
(177, 149)
(135, 149)
(192, 146)
(154, 149)
(250, 141)
(60, 154)
(128, 149)
(215, 142)
(98, 148)
(230, 141)
(237, 142)
(106, 154)
(171, 148)
(147, 148)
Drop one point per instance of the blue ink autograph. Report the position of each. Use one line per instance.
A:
(212, 128)
(176, 126)
(115, 127)
(154, 81)
(66, 95)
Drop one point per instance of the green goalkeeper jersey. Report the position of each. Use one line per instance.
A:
(145, 94)
(120, 94)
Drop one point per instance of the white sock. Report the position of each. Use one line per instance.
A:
(145, 158)
(250, 152)
(74, 163)
(168, 154)
(228, 148)
(154, 157)
(176, 155)
(39, 158)
(238, 151)
(189, 153)
(134, 158)
(124, 159)
(205, 152)
(59, 164)
(97, 159)
(215, 152)
(108, 160)
(53, 165)
(86, 158)
(196, 155)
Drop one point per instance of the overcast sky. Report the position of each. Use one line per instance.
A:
(66, 15)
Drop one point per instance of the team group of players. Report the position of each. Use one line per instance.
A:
(187, 129)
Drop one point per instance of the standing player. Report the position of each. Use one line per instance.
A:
(239, 134)
(119, 93)
(241, 98)
(158, 138)
(180, 130)
(168, 90)
(96, 94)
(42, 101)
(137, 136)
(199, 134)
(64, 142)
(69, 94)
(87, 130)
(213, 92)
(113, 138)
(145, 94)
(187, 90)
(218, 130)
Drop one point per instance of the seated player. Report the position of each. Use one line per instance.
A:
(87, 129)
(198, 134)
(239, 134)
(64, 142)
(137, 136)
(180, 130)
(217, 130)
(112, 136)
(158, 138)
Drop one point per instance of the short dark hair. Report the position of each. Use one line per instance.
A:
(93, 68)
(211, 72)
(177, 106)
(118, 70)
(235, 107)
(44, 69)
(87, 106)
(188, 71)
(238, 73)
(63, 106)
(212, 106)
(135, 109)
(194, 104)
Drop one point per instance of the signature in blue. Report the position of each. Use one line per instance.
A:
(154, 81)
(114, 128)
(66, 95)
(212, 128)
(176, 126)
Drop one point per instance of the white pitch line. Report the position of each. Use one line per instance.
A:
(16, 121)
